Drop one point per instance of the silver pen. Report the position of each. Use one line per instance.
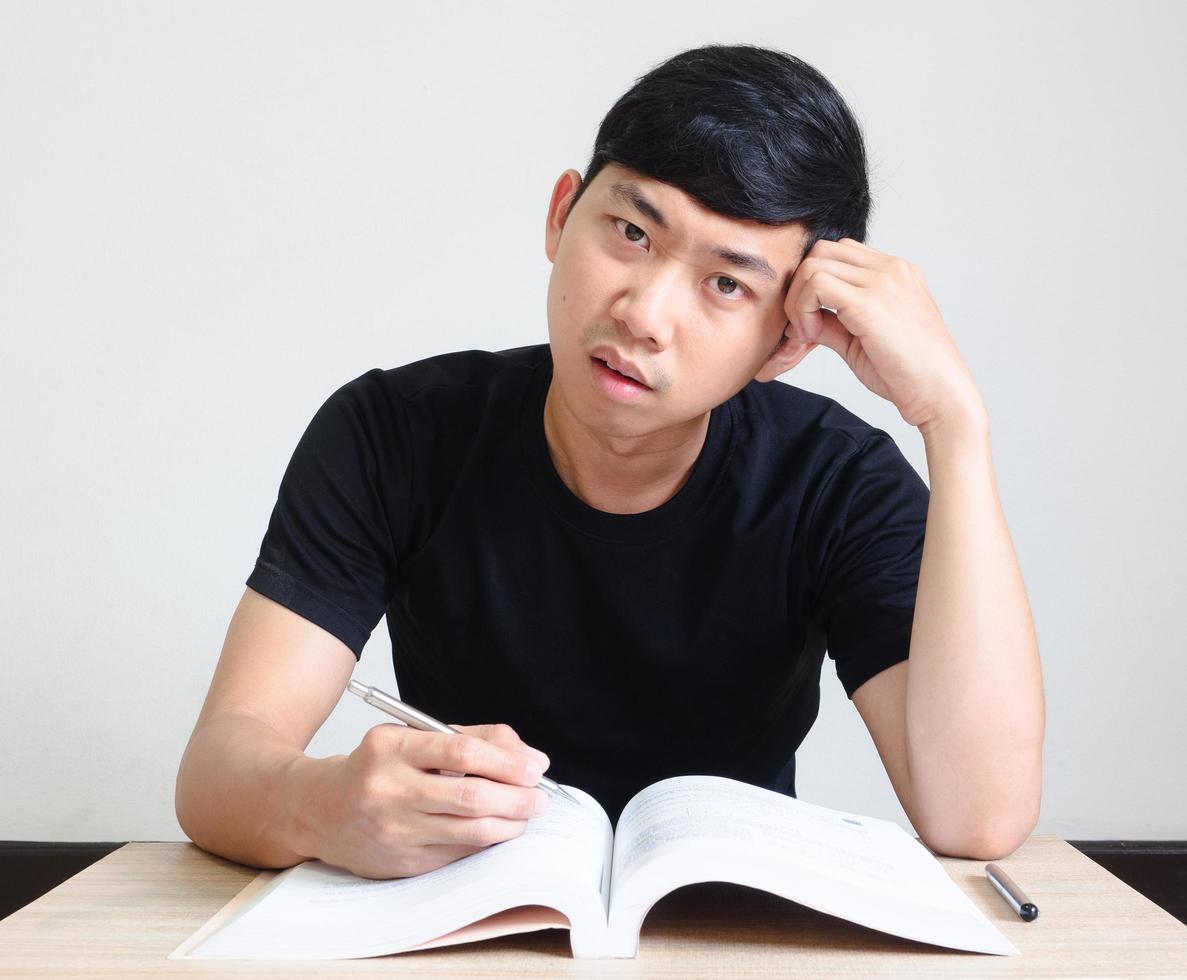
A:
(1009, 890)
(422, 722)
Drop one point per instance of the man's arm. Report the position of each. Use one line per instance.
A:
(241, 787)
(246, 789)
(959, 726)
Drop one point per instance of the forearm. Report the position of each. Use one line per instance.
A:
(245, 794)
(975, 713)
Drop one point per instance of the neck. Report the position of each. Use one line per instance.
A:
(620, 474)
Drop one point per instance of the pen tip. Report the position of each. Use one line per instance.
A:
(356, 688)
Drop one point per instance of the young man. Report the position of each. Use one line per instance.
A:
(623, 555)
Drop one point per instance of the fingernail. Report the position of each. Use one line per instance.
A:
(541, 803)
(541, 757)
(532, 773)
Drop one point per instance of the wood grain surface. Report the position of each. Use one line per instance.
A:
(124, 914)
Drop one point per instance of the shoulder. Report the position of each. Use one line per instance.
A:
(797, 419)
(464, 369)
(441, 374)
(454, 389)
(799, 439)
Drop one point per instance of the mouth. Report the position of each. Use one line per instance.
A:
(628, 377)
(615, 384)
(620, 366)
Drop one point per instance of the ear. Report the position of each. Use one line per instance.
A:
(786, 356)
(566, 187)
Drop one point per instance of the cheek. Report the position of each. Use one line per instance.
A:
(723, 367)
(581, 289)
(566, 290)
(591, 265)
(700, 364)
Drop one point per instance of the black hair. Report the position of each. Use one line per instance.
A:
(748, 132)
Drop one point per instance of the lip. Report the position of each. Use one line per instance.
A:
(620, 364)
(617, 387)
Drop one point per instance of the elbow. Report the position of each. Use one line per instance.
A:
(982, 820)
(192, 803)
(985, 846)
(183, 804)
(990, 838)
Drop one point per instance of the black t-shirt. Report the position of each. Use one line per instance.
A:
(684, 640)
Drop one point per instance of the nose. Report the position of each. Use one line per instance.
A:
(649, 305)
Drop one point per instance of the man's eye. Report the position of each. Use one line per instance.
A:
(732, 289)
(627, 233)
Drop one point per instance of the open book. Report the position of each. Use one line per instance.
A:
(570, 870)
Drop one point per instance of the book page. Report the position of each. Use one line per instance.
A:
(318, 911)
(689, 810)
(525, 918)
(707, 828)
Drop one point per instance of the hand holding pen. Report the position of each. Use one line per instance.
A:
(417, 719)
(386, 810)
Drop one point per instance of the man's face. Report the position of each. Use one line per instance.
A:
(626, 286)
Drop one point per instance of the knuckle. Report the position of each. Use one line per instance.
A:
(461, 753)
(381, 739)
(471, 796)
(484, 831)
(504, 733)
(471, 833)
(369, 745)
(527, 807)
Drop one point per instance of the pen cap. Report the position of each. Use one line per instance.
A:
(1025, 908)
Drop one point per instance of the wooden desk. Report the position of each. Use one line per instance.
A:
(123, 915)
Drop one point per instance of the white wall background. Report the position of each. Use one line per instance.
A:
(214, 214)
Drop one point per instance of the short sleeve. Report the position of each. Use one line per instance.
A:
(329, 551)
(867, 538)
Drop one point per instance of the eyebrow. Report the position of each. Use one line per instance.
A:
(631, 194)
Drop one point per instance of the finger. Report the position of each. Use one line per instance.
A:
(505, 735)
(473, 796)
(492, 733)
(436, 855)
(470, 754)
(536, 754)
(804, 298)
(822, 288)
(423, 859)
(809, 269)
(477, 832)
(500, 735)
(833, 334)
(850, 250)
(843, 267)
